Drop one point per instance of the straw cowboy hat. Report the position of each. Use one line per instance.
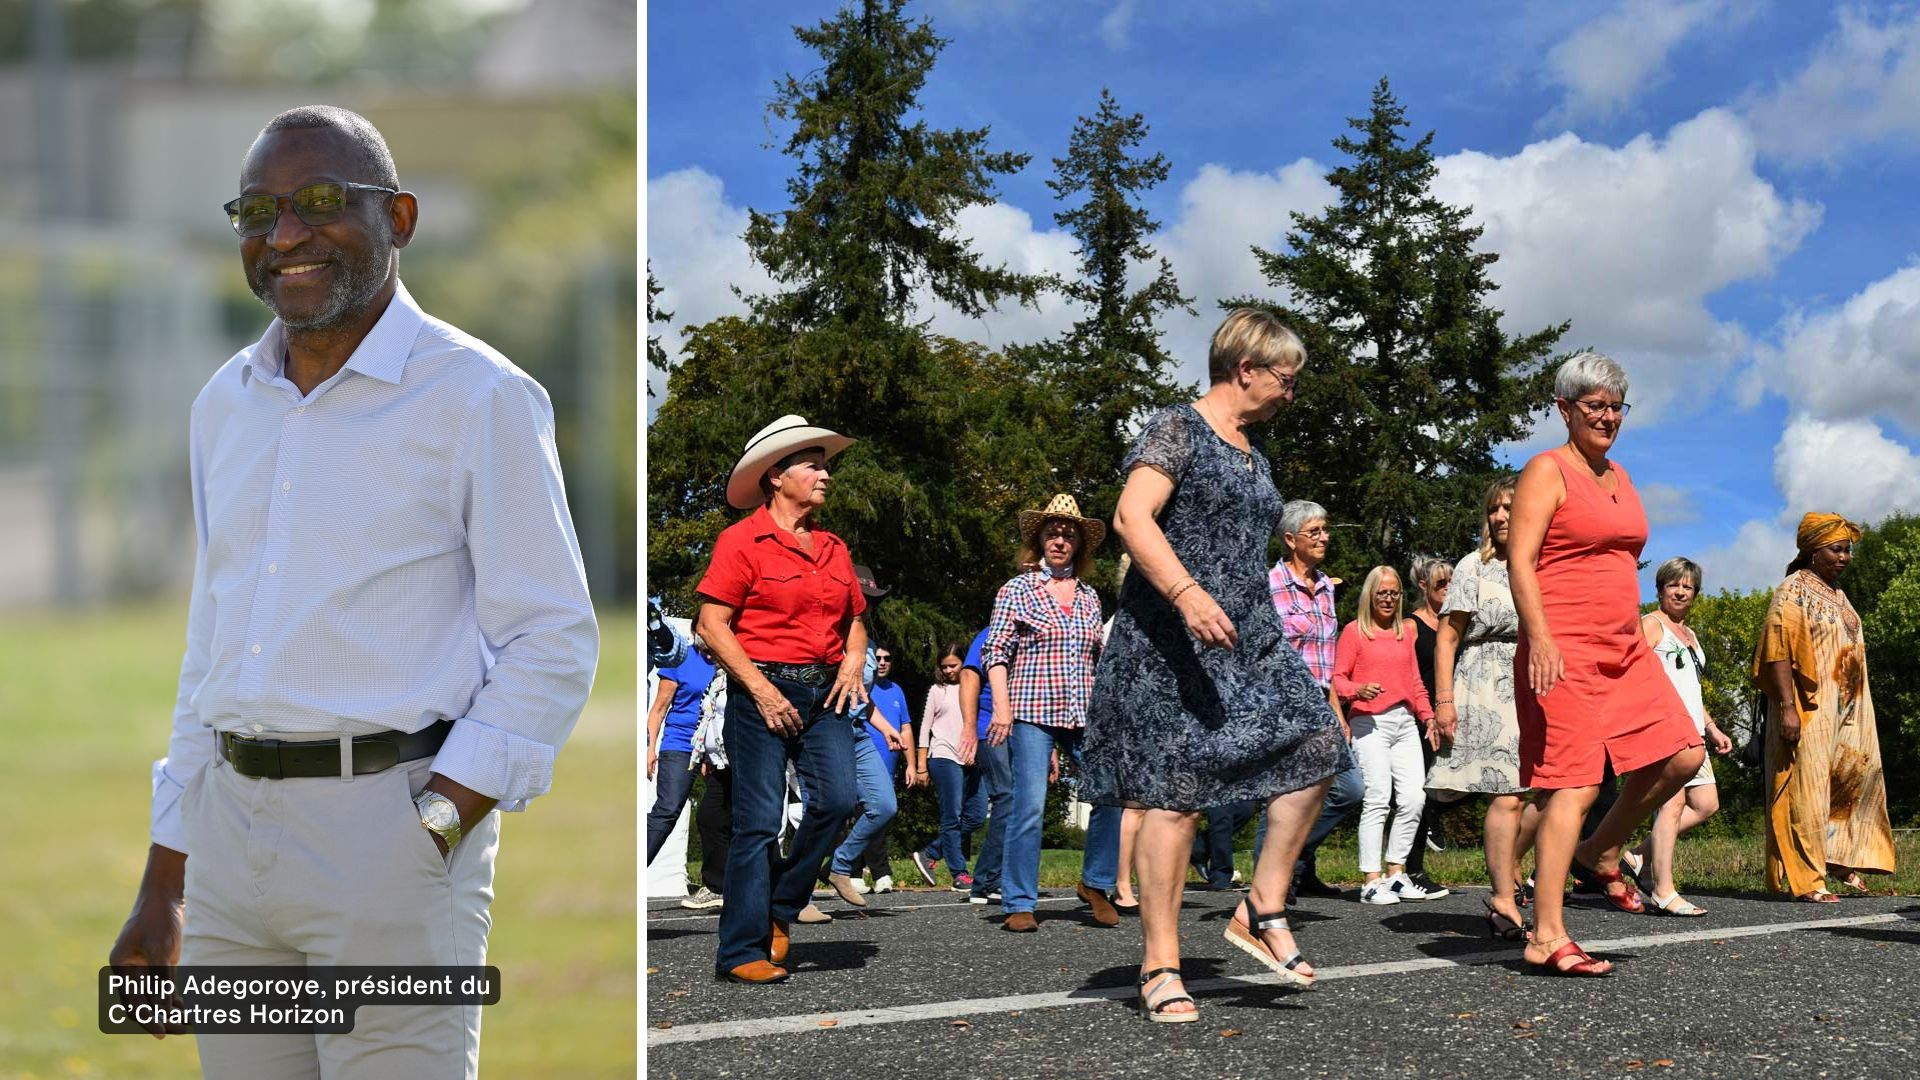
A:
(1062, 506)
(775, 441)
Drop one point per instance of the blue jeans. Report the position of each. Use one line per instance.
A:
(1032, 745)
(994, 801)
(963, 806)
(672, 783)
(1213, 846)
(762, 886)
(878, 803)
(1343, 798)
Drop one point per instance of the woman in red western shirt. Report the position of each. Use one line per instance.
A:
(780, 613)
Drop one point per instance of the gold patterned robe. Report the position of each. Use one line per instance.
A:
(1826, 795)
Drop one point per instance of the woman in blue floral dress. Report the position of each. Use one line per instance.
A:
(1197, 700)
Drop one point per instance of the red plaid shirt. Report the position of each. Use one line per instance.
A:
(1306, 618)
(1049, 653)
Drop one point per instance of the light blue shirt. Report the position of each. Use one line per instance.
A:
(390, 550)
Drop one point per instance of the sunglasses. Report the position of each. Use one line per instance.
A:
(1680, 658)
(314, 205)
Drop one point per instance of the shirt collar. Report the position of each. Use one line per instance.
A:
(764, 526)
(1320, 578)
(382, 354)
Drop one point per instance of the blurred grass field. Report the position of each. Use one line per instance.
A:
(86, 699)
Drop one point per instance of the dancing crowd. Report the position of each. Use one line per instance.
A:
(1226, 690)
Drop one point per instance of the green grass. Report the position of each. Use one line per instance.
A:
(86, 700)
(1718, 863)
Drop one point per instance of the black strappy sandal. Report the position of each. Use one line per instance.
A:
(1250, 941)
(1156, 1010)
(1500, 926)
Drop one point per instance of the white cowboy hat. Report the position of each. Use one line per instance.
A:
(1063, 506)
(775, 441)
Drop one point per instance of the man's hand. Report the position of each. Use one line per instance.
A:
(969, 746)
(653, 758)
(1053, 767)
(150, 939)
(471, 804)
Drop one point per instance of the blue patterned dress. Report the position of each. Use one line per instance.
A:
(1178, 726)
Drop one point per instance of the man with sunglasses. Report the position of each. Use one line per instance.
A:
(389, 635)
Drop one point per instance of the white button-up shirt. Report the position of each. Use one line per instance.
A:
(390, 550)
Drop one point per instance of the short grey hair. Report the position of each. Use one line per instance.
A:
(1589, 371)
(370, 147)
(1676, 568)
(1296, 514)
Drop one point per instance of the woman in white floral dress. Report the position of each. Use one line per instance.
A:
(1475, 726)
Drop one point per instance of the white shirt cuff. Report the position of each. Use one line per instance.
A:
(497, 763)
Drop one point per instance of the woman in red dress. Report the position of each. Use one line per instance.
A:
(1587, 687)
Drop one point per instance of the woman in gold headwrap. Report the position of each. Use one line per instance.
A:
(1826, 796)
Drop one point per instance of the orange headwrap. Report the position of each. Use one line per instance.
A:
(1819, 530)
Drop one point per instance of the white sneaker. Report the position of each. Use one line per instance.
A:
(700, 901)
(1405, 888)
(883, 883)
(860, 886)
(1379, 892)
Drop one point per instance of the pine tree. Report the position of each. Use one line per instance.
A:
(656, 353)
(1110, 366)
(1410, 386)
(952, 436)
(875, 197)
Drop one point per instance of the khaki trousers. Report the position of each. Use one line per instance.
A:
(320, 871)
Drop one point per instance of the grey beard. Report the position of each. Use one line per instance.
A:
(354, 287)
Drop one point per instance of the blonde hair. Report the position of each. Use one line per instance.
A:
(1367, 591)
(1490, 502)
(1259, 338)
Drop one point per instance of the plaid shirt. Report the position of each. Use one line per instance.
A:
(1307, 618)
(1049, 653)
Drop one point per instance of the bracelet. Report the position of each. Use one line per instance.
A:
(1183, 587)
(1443, 701)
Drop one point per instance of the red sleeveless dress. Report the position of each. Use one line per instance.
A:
(1614, 701)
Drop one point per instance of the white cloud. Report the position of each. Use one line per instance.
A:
(1668, 504)
(1848, 467)
(1115, 24)
(1615, 57)
(1756, 558)
(1859, 359)
(695, 249)
(1629, 242)
(1861, 85)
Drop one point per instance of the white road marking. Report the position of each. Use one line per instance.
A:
(947, 1010)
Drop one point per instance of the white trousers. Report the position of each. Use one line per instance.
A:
(326, 872)
(1388, 746)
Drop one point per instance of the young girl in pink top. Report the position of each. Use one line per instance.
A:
(1377, 677)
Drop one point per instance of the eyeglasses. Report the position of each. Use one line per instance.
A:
(1387, 594)
(1287, 382)
(314, 205)
(1320, 533)
(1596, 409)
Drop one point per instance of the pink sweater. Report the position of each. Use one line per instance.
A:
(1386, 660)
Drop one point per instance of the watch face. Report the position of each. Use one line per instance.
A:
(438, 813)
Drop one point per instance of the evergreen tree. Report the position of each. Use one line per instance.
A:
(1410, 384)
(656, 353)
(951, 435)
(875, 197)
(1110, 366)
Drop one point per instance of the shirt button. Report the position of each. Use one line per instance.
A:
(256, 650)
(273, 568)
(258, 727)
(286, 485)
(301, 409)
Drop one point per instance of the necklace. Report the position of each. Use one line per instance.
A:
(1213, 423)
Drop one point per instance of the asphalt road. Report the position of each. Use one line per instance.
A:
(922, 983)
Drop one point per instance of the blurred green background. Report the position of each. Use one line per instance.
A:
(121, 292)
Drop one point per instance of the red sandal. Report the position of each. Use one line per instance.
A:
(1592, 880)
(1587, 968)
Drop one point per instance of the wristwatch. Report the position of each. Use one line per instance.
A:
(439, 816)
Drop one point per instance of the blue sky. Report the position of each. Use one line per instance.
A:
(1719, 193)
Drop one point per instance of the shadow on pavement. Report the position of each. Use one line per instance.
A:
(671, 933)
(814, 956)
(1456, 924)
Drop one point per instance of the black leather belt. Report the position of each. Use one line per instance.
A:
(279, 759)
(804, 674)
